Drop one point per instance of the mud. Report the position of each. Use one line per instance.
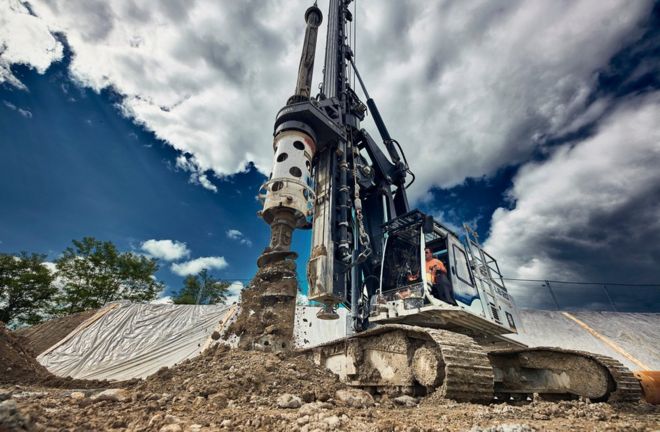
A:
(17, 363)
(268, 305)
(40, 337)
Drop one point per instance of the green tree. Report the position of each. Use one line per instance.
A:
(94, 272)
(202, 288)
(25, 288)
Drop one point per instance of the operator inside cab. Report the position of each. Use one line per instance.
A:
(436, 275)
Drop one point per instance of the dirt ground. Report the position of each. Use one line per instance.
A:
(42, 336)
(226, 390)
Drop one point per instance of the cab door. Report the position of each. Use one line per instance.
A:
(462, 280)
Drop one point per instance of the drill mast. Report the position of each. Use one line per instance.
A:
(330, 169)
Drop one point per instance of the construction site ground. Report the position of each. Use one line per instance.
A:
(227, 389)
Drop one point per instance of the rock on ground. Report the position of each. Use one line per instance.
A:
(505, 428)
(113, 395)
(355, 398)
(11, 419)
(289, 401)
(406, 401)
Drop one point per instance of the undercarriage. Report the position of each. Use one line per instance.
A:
(406, 359)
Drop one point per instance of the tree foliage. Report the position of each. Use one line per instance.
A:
(93, 273)
(25, 287)
(202, 288)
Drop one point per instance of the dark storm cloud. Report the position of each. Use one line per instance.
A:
(623, 244)
(591, 211)
(604, 224)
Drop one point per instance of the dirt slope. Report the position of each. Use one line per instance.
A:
(18, 366)
(17, 363)
(42, 336)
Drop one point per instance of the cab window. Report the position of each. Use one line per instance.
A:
(462, 270)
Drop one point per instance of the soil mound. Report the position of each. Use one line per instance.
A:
(42, 336)
(19, 366)
(268, 308)
(18, 363)
(224, 375)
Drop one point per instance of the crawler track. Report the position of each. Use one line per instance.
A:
(400, 357)
(627, 386)
(468, 373)
(622, 387)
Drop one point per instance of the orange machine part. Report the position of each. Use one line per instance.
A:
(650, 381)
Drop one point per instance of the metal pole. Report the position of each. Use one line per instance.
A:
(332, 60)
(607, 293)
(552, 293)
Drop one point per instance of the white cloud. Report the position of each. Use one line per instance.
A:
(162, 300)
(591, 211)
(235, 234)
(475, 86)
(192, 267)
(205, 182)
(168, 250)
(25, 113)
(50, 266)
(24, 39)
(206, 77)
(197, 175)
(234, 292)
(470, 85)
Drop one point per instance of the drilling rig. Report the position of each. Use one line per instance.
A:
(412, 329)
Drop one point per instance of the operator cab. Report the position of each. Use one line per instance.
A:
(453, 284)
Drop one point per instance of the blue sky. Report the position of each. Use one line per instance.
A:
(534, 122)
(75, 167)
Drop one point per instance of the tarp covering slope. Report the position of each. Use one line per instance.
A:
(638, 334)
(125, 341)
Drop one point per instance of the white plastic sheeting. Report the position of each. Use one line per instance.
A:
(638, 334)
(133, 340)
(125, 341)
